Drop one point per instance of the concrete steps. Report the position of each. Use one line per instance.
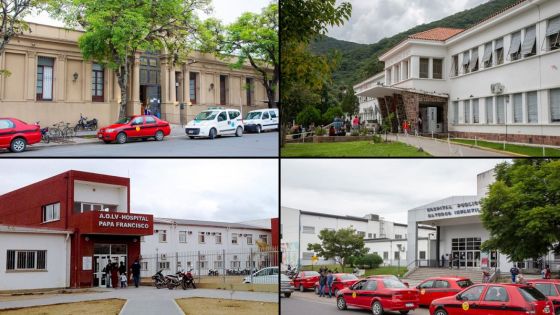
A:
(420, 274)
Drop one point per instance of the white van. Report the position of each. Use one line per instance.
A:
(261, 120)
(215, 122)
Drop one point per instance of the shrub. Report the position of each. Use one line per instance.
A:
(355, 133)
(377, 139)
(320, 131)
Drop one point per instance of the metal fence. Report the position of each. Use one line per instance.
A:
(218, 266)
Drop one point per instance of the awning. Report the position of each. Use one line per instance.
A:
(487, 52)
(553, 26)
(466, 59)
(474, 58)
(499, 43)
(529, 42)
(380, 91)
(515, 43)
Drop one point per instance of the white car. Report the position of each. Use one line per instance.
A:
(261, 120)
(215, 122)
(268, 275)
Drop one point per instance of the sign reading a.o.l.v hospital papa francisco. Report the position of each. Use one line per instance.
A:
(123, 220)
(98, 222)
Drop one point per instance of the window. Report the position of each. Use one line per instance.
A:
(555, 105)
(427, 285)
(455, 112)
(424, 68)
(272, 114)
(518, 108)
(397, 255)
(369, 235)
(405, 70)
(249, 239)
(233, 114)
(515, 46)
(388, 77)
(489, 110)
(466, 62)
(475, 111)
(398, 236)
(235, 264)
(500, 109)
(265, 115)
(532, 110)
(182, 236)
(26, 260)
(81, 207)
(553, 33)
(201, 238)
(234, 238)
(193, 95)
(308, 229)
(150, 120)
(143, 265)
(223, 90)
(361, 233)
(137, 121)
(264, 238)
(529, 47)
(218, 264)
(162, 236)
(397, 73)
(474, 60)
(97, 83)
(467, 110)
(437, 67)
(422, 254)
(472, 294)
(487, 57)
(441, 284)
(499, 50)
(45, 66)
(496, 294)
(218, 238)
(164, 265)
(250, 90)
(6, 124)
(51, 212)
(546, 288)
(455, 65)
(385, 255)
(222, 116)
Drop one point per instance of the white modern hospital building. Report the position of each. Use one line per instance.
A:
(498, 80)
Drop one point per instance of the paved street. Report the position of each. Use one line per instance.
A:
(145, 300)
(176, 145)
(309, 303)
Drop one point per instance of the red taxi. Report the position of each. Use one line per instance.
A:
(305, 280)
(388, 277)
(551, 289)
(340, 281)
(494, 299)
(378, 295)
(140, 127)
(16, 134)
(438, 287)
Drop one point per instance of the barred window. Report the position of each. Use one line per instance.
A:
(249, 239)
(234, 238)
(218, 238)
(26, 260)
(437, 67)
(201, 238)
(162, 236)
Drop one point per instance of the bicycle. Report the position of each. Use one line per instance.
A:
(55, 132)
(68, 132)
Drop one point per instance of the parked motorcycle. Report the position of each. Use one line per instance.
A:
(213, 272)
(160, 281)
(175, 280)
(84, 124)
(188, 280)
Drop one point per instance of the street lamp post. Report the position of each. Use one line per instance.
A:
(401, 250)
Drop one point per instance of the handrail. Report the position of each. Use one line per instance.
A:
(495, 275)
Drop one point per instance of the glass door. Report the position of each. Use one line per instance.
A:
(99, 263)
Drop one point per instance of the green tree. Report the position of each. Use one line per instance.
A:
(308, 116)
(339, 244)
(331, 113)
(350, 103)
(372, 260)
(522, 209)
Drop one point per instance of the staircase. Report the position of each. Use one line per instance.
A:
(420, 274)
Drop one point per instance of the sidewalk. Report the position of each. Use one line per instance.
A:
(436, 147)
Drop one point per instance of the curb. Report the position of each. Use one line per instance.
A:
(474, 146)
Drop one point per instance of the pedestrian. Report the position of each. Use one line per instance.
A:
(547, 273)
(322, 283)
(136, 272)
(330, 280)
(514, 271)
(123, 280)
(443, 261)
(355, 123)
(419, 124)
(485, 276)
(122, 268)
(115, 276)
(107, 270)
(521, 279)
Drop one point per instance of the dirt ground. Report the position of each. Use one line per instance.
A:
(99, 307)
(203, 306)
(39, 295)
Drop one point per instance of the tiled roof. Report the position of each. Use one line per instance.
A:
(439, 33)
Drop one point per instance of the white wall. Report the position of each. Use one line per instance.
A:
(57, 274)
(101, 193)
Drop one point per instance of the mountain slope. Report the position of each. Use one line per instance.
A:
(360, 61)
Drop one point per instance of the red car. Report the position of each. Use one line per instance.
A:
(494, 299)
(378, 295)
(16, 134)
(305, 280)
(140, 127)
(551, 289)
(388, 277)
(340, 281)
(438, 287)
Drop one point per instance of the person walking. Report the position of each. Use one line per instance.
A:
(322, 283)
(443, 261)
(122, 268)
(330, 280)
(355, 123)
(547, 273)
(123, 280)
(115, 276)
(485, 276)
(108, 269)
(136, 272)
(514, 271)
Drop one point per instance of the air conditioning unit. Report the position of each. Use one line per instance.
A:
(497, 88)
(163, 256)
(190, 232)
(213, 233)
(207, 233)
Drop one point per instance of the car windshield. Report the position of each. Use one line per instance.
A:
(348, 277)
(464, 283)
(253, 115)
(545, 288)
(531, 294)
(393, 284)
(206, 115)
(124, 120)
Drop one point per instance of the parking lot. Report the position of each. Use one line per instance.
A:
(310, 304)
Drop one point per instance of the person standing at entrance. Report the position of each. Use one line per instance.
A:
(115, 276)
(122, 268)
(108, 269)
(442, 261)
(547, 273)
(136, 272)
(514, 271)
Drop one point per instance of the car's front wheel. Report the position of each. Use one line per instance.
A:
(239, 132)
(18, 145)
(341, 303)
(159, 135)
(287, 294)
(440, 311)
(121, 138)
(404, 312)
(259, 129)
(376, 308)
(212, 134)
(191, 137)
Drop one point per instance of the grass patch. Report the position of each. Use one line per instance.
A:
(350, 149)
(99, 307)
(207, 306)
(514, 148)
(382, 270)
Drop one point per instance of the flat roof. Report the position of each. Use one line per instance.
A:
(208, 223)
(26, 229)
(334, 216)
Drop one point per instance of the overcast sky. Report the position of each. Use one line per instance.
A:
(387, 187)
(373, 20)
(225, 10)
(229, 190)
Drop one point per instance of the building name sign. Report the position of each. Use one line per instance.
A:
(123, 220)
(453, 210)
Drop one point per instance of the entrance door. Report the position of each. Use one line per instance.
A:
(117, 253)
(433, 125)
(99, 262)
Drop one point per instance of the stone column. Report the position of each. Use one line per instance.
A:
(59, 81)
(171, 73)
(134, 86)
(31, 72)
(186, 85)
(87, 82)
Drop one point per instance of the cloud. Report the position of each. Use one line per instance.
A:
(373, 20)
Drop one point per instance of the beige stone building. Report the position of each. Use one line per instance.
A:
(51, 82)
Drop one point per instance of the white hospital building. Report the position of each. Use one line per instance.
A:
(498, 80)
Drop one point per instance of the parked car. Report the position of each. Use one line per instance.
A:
(551, 289)
(215, 122)
(261, 120)
(438, 287)
(305, 280)
(494, 298)
(388, 277)
(268, 275)
(378, 295)
(139, 127)
(286, 285)
(16, 135)
(341, 281)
